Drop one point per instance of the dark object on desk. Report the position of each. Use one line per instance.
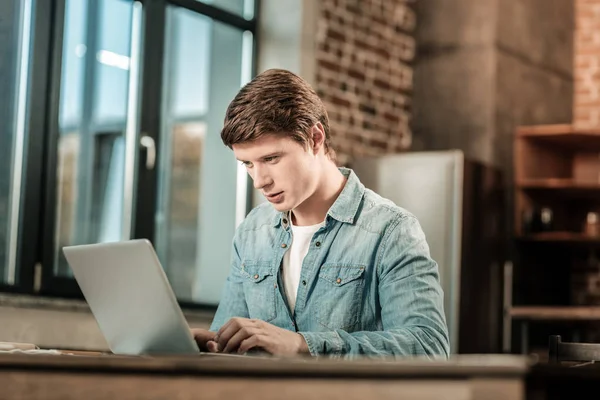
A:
(559, 351)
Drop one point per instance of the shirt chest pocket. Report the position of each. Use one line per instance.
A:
(259, 285)
(340, 291)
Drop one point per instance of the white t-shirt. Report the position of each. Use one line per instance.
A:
(292, 260)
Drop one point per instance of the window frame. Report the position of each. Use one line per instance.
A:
(32, 190)
(37, 223)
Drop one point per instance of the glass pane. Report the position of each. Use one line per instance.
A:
(93, 109)
(243, 8)
(206, 63)
(15, 40)
(74, 51)
(112, 62)
(189, 69)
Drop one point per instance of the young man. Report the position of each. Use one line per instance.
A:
(326, 266)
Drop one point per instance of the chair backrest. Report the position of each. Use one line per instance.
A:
(559, 351)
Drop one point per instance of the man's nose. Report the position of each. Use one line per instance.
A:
(260, 178)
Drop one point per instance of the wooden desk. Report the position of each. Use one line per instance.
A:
(208, 377)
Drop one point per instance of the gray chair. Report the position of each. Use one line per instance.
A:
(559, 351)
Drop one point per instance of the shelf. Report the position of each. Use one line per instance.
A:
(554, 130)
(555, 166)
(561, 187)
(558, 184)
(556, 313)
(560, 237)
(562, 135)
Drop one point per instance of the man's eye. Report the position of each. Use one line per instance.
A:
(271, 159)
(246, 164)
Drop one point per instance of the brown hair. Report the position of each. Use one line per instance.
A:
(275, 102)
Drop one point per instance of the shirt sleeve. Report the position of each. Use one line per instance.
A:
(411, 298)
(233, 302)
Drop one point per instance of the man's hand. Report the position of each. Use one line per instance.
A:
(242, 334)
(205, 339)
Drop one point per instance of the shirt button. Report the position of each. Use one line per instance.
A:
(304, 283)
(283, 245)
(285, 221)
(339, 280)
(318, 244)
(256, 276)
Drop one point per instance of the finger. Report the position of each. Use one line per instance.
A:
(225, 326)
(237, 321)
(238, 338)
(223, 338)
(201, 336)
(232, 321)
(212, 347)
(227, 332)
(250, 343)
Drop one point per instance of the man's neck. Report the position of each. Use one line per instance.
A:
(314, 209)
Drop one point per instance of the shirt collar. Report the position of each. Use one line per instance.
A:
(346, 205)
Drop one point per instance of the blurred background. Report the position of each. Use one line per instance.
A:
(480, 116)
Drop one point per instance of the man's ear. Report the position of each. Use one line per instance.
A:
(317, 135)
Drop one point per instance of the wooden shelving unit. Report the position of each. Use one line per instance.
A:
(561, 135)
(560, 237)
(556, 313)
(557, 168)
(558, 184)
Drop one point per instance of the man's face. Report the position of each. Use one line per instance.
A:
(282, 169)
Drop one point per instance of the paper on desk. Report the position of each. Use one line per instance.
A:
(32, 351)
(23, 348)
(29, 348)
(4, 346)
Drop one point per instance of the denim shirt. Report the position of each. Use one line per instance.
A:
(368, 285)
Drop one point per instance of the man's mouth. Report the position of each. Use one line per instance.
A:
(273, 195)
(275, 198)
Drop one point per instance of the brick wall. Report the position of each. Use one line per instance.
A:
(586, 100)
(585, 283)
(364, 74)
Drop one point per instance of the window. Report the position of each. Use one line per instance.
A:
(15, 50)
(96, 54)
(244, 8)
(130, 136)
(206, 63)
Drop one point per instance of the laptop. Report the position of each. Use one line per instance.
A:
(130, 296)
